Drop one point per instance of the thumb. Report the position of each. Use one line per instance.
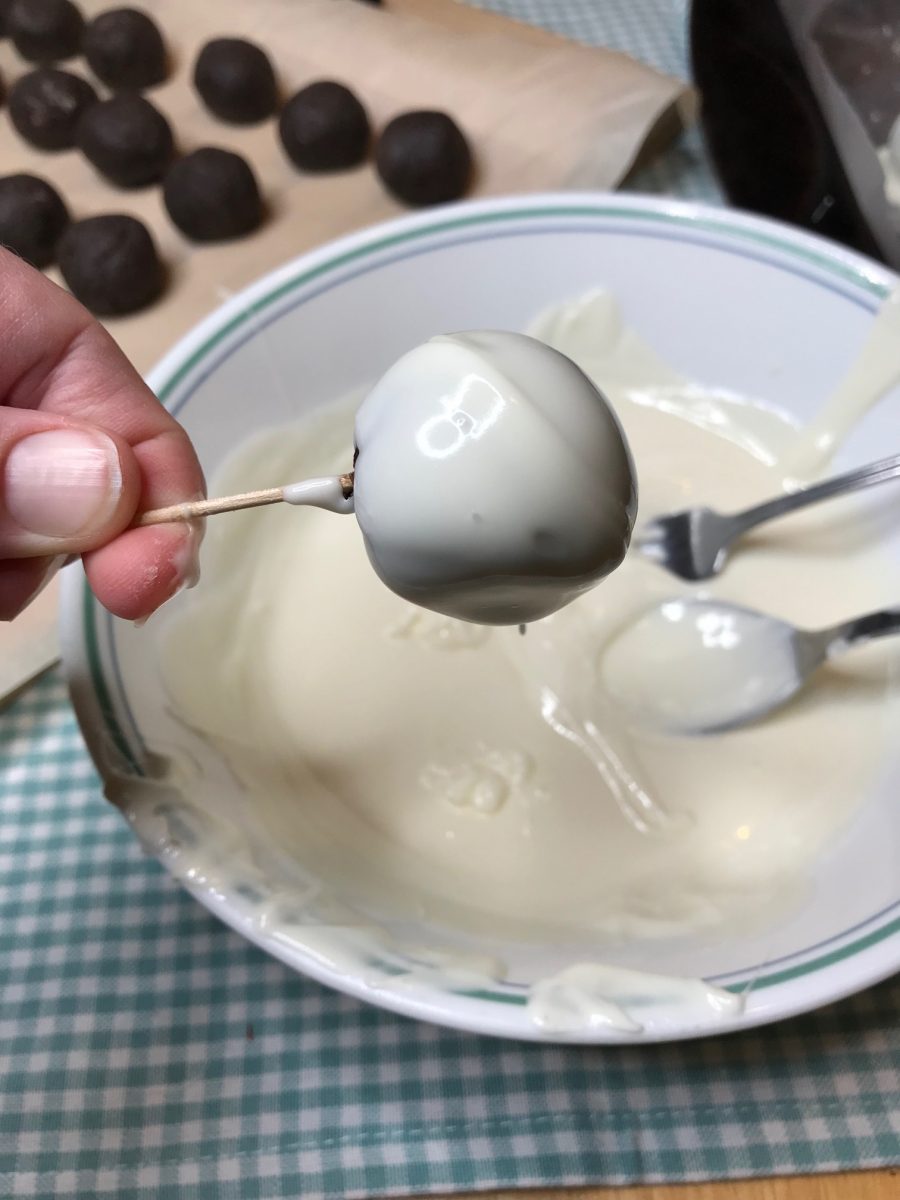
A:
(65, 487)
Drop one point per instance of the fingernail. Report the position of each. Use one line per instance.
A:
(62, 483)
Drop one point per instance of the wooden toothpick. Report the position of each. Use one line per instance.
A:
(192, 510)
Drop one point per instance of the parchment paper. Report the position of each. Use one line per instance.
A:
(541, 113)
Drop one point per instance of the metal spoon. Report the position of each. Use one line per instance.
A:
(704, 666)
(694, 544)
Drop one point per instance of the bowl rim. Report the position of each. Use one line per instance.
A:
(846, 963)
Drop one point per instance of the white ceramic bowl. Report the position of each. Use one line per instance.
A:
(726, 299)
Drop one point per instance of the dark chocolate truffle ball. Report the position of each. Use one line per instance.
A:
(236, 81)
(127, 140)
(324, 128)
(44, 31)
(124, 49)
(32, 218)
(424, 158)
(212, 195)
(45, 106)
(110, 264)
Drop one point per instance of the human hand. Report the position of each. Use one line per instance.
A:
(84, 445)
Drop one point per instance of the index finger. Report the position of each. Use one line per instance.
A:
(59, 359)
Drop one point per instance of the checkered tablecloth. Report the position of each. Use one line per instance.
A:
(148, 1052)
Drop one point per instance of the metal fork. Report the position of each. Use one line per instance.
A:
(695, 544)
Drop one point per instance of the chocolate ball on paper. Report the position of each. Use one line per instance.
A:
(46, 105)
(44, 31)
(236, 81)
(424, 158)
(212, 195)
(324, 127)
(125, 49)
(127, 139)
(33, 217)
(111, 265)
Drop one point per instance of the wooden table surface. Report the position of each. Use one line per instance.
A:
(859, 1185)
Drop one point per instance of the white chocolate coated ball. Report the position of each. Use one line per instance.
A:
(493, 482)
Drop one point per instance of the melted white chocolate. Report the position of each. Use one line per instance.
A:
(595, 996)
(874, 372)
(327, 493)
(477, 781)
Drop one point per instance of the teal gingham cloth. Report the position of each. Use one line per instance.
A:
(149, 1053)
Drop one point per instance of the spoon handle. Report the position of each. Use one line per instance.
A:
(883, 623)
(851, 481)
